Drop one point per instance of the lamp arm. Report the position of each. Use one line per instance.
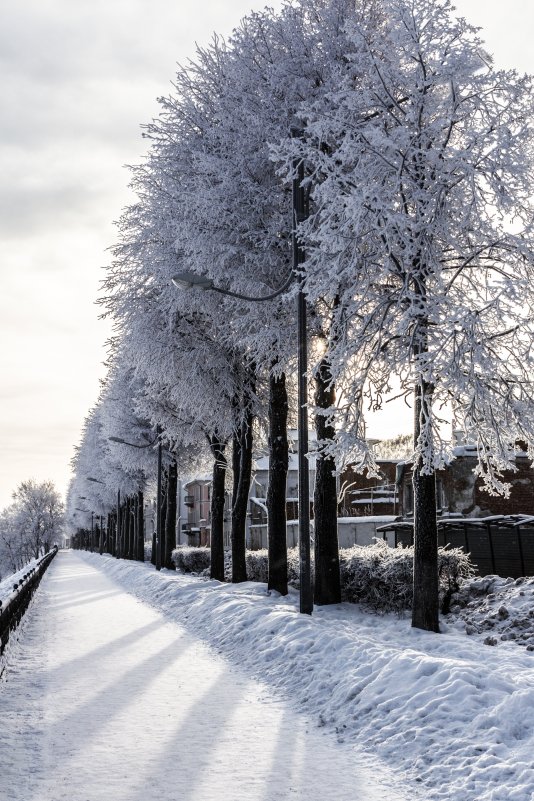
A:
(283, 288)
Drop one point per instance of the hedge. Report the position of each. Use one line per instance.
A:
(376, 576)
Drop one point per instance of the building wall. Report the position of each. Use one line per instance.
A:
(363, 496)
(199, 511)
(460, 491)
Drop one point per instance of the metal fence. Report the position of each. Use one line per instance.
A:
(497, 545)
(14, 606)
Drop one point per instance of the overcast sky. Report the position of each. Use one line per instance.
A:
(78, 78)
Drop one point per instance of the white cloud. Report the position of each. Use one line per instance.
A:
(78, 80)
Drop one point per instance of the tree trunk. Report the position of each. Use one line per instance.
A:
(425, 608)
(276, 492)
(113, 536)
(124, 528)
(158, 534)
(240, 496)
(164, 496)
(327, 589)
(131, 528)
(128, 533)
(122, 533)
(170, 518)
(217, 508)
(140, 527)
(120, 516)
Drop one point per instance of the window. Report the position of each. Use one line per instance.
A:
(408, 499)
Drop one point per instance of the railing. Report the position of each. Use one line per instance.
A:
(13, 607)
(380, 495)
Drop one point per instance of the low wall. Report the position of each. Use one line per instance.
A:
(351, 531)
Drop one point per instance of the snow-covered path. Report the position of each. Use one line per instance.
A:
(107, 699)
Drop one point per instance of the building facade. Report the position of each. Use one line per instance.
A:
(460, 491)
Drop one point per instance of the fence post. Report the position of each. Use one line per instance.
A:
(490, 541)
(466, 540)
(520, 546)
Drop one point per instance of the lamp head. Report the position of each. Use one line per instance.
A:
(188, 280)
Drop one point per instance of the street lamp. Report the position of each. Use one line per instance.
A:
(85, 511)
(159, 516)
(188, 280)
(122, 441)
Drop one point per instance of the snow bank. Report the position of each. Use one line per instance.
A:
(501, 608)
(447, 712)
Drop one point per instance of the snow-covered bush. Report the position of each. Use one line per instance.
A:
(148, 550)
(382, 577)
(377, 576)
(454, 566)
(258, 566)
(191, 559)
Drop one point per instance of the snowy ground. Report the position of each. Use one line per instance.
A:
(153, 713)
(107, 698)
(450, 715)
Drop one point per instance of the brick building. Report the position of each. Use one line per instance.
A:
(362, 496)
(460, 491)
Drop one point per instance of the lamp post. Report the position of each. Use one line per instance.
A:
(188, 280)
(118, 526)
(122, 441)
(85, 512)
(300, 213)
(159, 516)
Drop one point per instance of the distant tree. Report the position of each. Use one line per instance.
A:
(399, 447)
(32, 524)
(12, 545)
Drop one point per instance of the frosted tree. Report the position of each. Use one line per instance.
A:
(99, 482)
(227, 224)
(132, 445)
(205, 159)
(422, 172)
(191, 378)
(238, 234)
(33, 522)
(211, 202)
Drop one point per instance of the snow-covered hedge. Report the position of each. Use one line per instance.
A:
(377, 576)
(191, 559)
(258, 566)
(381, 577)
